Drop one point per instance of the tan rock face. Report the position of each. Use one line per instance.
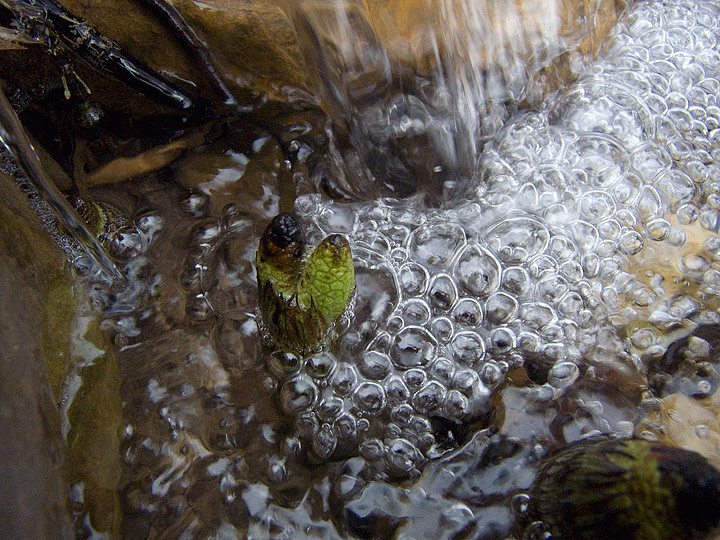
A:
(38, 303)
(43, 281)
(251, 42)
(481, 51)
(416, 31)
(254, 47)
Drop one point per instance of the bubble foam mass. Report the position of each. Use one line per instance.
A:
(589, 242)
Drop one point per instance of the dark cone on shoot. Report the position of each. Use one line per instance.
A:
(301, 293)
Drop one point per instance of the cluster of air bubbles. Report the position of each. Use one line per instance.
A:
(218, 271)
(218, 279)
(444, 309)
(21, 98)
(7, 163)
(596, 217)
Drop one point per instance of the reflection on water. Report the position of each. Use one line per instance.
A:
(485, 333)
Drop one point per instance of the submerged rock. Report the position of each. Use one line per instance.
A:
(631, 489)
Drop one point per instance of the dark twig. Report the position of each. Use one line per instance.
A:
(187, 35)
(97, 50)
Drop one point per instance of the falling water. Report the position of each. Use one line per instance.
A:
(13, 137)
(415, 89)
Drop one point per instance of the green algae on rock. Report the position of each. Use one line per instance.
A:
(631, 489)
(301, 295)
(95, 426)
(102, 218)
(44, 279)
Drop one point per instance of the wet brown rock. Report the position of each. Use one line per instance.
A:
(96, 421)
(43, 280)
(38, 301)
(409, 28)
(250, 41)
(253, 44)
(588, 39)
(33, 499)
(37, 298)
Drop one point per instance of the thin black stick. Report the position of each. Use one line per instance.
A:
(95, 49)
(187, 35)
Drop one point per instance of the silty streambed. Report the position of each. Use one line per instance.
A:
(534, 310)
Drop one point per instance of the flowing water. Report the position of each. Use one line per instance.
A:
(414, 90)
(521, 294)
(13, 137)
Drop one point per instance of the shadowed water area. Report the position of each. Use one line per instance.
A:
(536, 262)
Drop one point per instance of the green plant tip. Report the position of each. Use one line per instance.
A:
(301, 293)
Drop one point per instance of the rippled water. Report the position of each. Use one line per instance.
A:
(485, 331)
